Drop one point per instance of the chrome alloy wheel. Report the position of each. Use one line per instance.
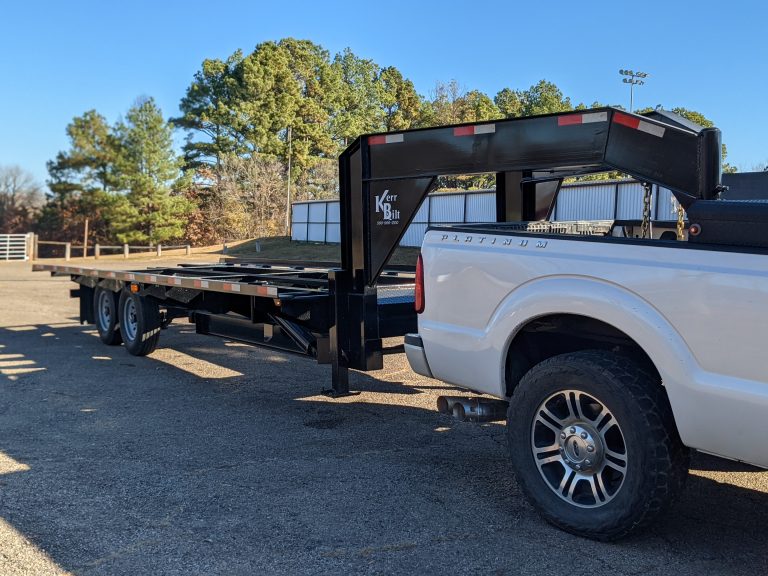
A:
(579, 449)
(130, 322)
(105, 304)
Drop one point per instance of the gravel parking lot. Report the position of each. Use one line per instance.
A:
(212, 457)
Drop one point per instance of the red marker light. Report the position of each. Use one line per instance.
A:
(419, 300)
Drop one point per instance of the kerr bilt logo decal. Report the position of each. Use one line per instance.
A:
(384, 206)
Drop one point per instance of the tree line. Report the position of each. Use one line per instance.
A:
(246, 119)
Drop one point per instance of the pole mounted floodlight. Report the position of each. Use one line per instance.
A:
(633, 79)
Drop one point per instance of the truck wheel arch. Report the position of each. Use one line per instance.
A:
(547, 336)
(593, 314)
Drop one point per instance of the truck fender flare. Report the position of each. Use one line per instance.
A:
(603, 301)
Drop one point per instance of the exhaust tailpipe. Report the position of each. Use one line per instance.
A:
(473, 409)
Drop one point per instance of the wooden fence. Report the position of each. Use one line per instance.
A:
(97, 250)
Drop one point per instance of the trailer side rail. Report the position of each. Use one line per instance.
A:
(195, 283)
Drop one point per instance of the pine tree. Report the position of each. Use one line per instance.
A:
(147, 167)
(81, 180)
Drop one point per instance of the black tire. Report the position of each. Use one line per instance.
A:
(139, 323)
(613, 493)
(105, 304)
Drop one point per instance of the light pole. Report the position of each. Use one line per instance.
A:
(633, 78)
(288, 202)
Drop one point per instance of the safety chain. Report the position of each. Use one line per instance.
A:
(645, 228)
(680, 222)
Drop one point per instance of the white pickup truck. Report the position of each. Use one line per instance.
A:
(616, 356)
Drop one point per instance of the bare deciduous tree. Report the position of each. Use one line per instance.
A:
(249, 199)
(320, 181)
(20, 199)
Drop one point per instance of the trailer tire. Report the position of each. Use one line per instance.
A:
(105, 304)
(139, 323)
(594, 444)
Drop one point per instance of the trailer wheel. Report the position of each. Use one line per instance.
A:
(139, 323)
(594, 444)
(105, 303)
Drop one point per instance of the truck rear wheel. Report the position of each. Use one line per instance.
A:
(105, 304)
(139, 323)
(594, 444)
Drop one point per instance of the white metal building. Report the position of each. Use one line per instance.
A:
(318, 221)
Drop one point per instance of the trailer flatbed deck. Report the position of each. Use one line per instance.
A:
(271, 279)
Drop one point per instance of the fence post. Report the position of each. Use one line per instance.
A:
(125, 250)
(85, 240)
(159, 250)
(67, 251)
(189, 249)
(96, 251)
(35, 246)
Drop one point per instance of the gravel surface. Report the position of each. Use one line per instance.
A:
(212, 457)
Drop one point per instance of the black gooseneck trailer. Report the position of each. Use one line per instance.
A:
(340, 314)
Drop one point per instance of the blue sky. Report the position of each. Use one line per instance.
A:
(59, 59)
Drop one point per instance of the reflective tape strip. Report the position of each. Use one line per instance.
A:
(594, 117)
(625, 120)
(385, 139)
(474, 130)
(638, 124)
(569, 120)
(158, 279)
(485, 129)
(572, 119)
(654, 129)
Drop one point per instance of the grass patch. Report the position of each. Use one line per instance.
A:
(282, 248)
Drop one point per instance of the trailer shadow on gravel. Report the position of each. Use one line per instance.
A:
(213, 457)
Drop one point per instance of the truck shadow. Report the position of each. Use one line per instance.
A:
(209, 457)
